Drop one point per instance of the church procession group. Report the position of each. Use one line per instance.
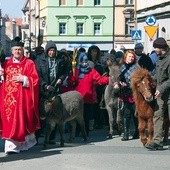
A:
(28, 82)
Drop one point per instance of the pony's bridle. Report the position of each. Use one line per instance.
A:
(145, 90)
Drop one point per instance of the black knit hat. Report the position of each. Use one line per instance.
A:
(17, 42)
(160, 43)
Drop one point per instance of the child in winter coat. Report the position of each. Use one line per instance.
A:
(83, 81)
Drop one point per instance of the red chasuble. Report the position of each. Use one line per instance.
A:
(19, 114)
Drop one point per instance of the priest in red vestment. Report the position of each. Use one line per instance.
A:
(19, 97)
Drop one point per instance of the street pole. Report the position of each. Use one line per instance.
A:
(113, 24)
(135, 14)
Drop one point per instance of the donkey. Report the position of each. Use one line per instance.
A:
(61, 109)
(112, 93)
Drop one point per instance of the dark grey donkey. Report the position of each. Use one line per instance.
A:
(66, 107)
(112, 96)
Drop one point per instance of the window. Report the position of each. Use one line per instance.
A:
(129, 2)
(62, 2)
(97, 30)
(96, 2)
(127, 27)
(62, 28)
(25, 19)
(79, 2)
(79, 28)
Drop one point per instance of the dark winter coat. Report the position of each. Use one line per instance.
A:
(146, 62)
(42, 65)
(125, 76)
(162, 75)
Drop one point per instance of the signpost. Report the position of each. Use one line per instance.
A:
(150, 20)
(150, 29)
(136, 34)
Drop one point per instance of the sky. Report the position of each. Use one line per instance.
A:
(12, 8)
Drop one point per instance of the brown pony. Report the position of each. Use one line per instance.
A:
(143, 92)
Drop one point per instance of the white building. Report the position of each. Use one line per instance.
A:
(160, 10)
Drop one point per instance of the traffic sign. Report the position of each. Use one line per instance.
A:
(150, 20)
(150, 30)
(136, 35)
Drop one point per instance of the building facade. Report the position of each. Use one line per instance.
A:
(2, 31)
(9, 29)
(159, 27)
(29, 24)
(72, 24)
(81, 23)
(123, 23)
(107, 24)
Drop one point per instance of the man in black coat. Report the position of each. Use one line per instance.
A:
(162, 94)
(52, 71)
(143, 60)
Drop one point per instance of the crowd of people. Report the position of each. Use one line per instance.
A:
(26, 81)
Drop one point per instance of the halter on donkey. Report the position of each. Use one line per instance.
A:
(113, 98)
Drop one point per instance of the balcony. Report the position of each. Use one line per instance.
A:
(128, 12)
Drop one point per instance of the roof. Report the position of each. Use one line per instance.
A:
(17, 20)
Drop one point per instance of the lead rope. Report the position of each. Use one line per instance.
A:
(120, 104)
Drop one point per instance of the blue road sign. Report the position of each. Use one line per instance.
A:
(150, 20)
(136, 34)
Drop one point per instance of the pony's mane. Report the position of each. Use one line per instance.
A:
(137, 76)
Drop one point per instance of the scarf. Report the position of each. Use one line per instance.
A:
(126, 71)
(52, 68)
(83, 70)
